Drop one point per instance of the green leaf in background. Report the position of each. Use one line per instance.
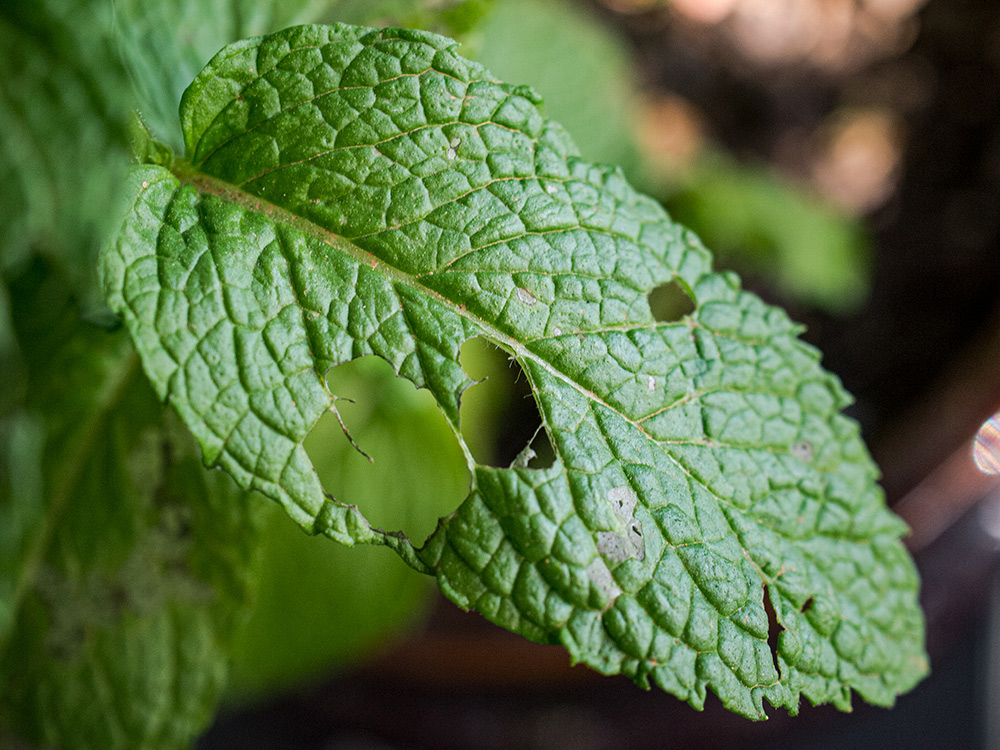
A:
(124, 565)
(11, 366)
(577, 64)
(63, 155)
(810, 251)
(322, 605)
(347, 192)
(453, 17)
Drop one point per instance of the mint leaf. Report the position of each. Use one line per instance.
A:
(124, 565)
(164, 44)
(348, 192)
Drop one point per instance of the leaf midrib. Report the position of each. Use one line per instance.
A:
(208, 184)
(204, 183)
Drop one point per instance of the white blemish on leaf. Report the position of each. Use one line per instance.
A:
(802, 450)
(450, 153)
(551, 189)
(650, 383)
(599, 573)
(618, 547)
(525, 297)
(627, 543)
(623, 502)
(455, 142)
(523, 458)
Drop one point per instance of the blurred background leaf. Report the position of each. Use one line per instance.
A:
(124, 565)
(454, 18)
(763, 227)
(63, 101)
(580, 67)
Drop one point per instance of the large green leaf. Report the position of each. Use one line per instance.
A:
(349, 192)
(164, 44)
(124, 565)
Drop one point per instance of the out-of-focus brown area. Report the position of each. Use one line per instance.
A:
(891, 110)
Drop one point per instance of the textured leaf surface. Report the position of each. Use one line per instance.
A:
(124, 565)
(349, 192)
(164, 44)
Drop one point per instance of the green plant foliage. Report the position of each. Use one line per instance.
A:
(164, 44)
(124, 566)
(453, 17)
(63, 154)
(347, 192)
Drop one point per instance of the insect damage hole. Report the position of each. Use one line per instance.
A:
(774, 628)
(499, 416)
(387, 449)
(670, 302)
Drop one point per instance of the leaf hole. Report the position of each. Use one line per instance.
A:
(388, 449)
(774, 628)
(806, 605)
(499, 417)
(670, 302)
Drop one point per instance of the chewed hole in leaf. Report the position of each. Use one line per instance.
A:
(669, 302)
(774, 628)
(500, 419)
(416, 472)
